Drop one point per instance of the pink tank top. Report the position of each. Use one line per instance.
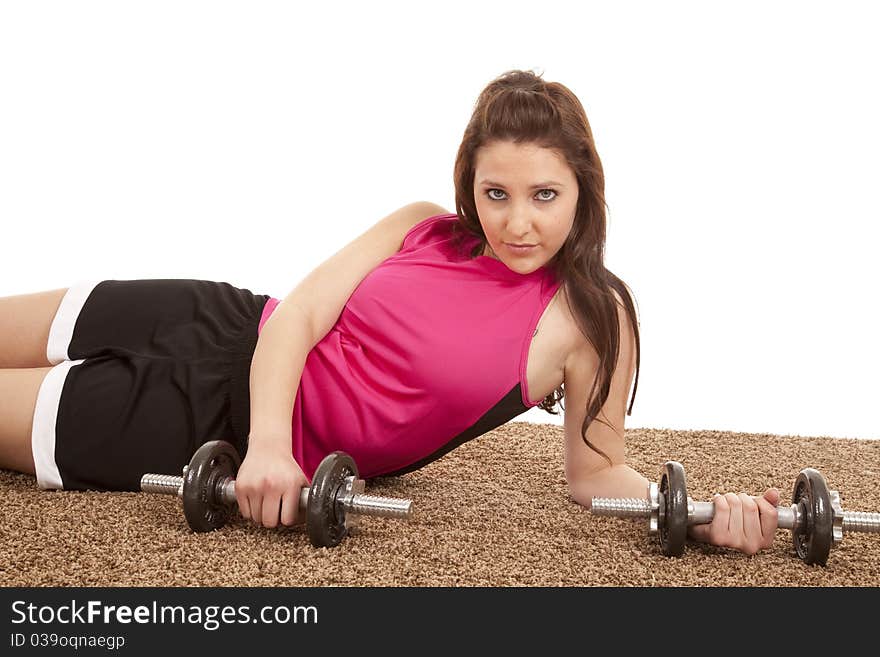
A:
(430, 350)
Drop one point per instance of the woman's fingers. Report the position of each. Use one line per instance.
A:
(735, 520)
(271, 509)
(290, 507)
(752, 539)
(769, 515)
(256, 503)
(718, 530)
(244, 506)
(743, 522)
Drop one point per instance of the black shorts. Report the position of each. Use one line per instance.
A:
(144, 372)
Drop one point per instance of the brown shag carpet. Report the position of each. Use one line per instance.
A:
(494, 512)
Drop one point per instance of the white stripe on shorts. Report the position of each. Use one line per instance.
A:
(43, 430)
(61, 331)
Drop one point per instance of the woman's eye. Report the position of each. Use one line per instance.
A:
(489, 193)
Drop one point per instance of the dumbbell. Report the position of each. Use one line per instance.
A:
(207, 489)
(815, 517)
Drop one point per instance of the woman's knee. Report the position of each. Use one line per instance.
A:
(19, 389)
(25, 321)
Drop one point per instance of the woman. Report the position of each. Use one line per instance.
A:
(429, 329)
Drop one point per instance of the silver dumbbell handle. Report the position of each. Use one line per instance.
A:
(790, 517)
(352, 498)
(701, 513)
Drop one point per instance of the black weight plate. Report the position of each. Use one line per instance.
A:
(673, 523)
(813, 543)
(324, 521)
(202, 506)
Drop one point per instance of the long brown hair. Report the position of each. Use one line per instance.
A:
(521, 107)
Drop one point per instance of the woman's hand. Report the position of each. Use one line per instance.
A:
(268, 484)
(743, 522)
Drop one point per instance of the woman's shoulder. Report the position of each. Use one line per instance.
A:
(579, 351)
(575, 345)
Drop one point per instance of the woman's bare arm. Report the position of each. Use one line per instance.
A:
(310, 311)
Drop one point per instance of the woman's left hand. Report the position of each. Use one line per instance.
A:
(743, 522)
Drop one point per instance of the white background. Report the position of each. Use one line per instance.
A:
(249, 141)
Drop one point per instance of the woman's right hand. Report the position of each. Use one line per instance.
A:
(268, 484)
(743, 522)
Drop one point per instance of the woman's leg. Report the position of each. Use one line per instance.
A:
(25, 320)
(18, 399)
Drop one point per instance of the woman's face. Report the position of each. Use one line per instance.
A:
(524, 194)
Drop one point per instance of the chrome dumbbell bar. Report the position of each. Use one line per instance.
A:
(701, 513)
(351, 497)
